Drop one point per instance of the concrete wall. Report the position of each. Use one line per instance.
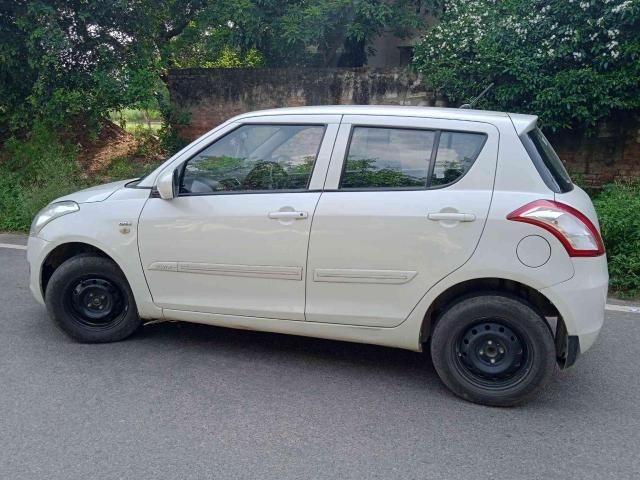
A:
(208, 97)
(211, 96)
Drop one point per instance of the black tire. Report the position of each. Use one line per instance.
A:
(89, 298)
(493, 349)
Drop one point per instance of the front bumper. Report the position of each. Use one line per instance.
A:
(37, 250)
(581, 303)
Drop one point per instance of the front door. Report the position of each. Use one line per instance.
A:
(405, 203)
(234, 241)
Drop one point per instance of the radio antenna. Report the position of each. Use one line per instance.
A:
(475, 100)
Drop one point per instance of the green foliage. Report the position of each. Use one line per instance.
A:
(148, 155)
(323, 32)
(231, 59)
(617, 208)
(289, 33)
(149, 145)
(570, 61)
(363, 173)
(32, 173)
(170, 140)
(202, 47)
(70, 61)
(123, 168)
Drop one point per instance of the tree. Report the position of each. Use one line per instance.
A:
(298, 33)
(320, 32)
(75, 60)
(69, 60)
(572, 62)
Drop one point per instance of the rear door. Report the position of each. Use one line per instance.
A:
(405, 204)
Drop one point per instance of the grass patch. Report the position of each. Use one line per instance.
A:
(133, 120)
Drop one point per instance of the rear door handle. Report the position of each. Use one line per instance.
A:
(288, 215)
(452, 216)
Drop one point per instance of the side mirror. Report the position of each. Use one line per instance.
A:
(165, 185)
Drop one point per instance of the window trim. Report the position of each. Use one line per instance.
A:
(432, 159)
(183, 166)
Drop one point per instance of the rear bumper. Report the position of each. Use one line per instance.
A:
(581, 303)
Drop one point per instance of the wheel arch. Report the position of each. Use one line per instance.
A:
(513, 288)
(63, 252)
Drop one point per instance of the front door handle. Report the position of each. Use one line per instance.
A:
(288, 215)
(452, 216)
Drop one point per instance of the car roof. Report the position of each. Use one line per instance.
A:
(521, 122)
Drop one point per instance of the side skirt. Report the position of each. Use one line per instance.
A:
(401, 336)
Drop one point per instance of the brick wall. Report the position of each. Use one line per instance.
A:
(208, 97)
(609, 153)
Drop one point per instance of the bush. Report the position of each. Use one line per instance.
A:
(571, 62)
(122, 168)
(149, 144)
(32, 173)
(618, 207)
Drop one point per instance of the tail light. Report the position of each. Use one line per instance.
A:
(574, 230)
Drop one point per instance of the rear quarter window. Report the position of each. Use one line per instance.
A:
(546, 161)
(456, 153)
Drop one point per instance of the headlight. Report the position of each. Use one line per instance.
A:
(51, 212)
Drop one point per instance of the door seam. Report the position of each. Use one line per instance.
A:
(313, 216)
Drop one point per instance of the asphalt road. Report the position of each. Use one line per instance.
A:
(184, 401)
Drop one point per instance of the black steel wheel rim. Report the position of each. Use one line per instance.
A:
(493, 354)
(96, 302)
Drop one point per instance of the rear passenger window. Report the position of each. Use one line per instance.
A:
(456, 153)
(388, 158)
(398, 158)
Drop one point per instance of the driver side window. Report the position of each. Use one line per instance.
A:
(255, 158)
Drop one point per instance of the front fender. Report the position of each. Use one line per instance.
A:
(110, 226)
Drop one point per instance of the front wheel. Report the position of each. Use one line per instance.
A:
(493, 350)
(89, 298)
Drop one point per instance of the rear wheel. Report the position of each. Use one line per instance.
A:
(493, 349)
(89, 298)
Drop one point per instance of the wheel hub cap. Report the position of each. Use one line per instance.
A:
(97, 301)
(491, 350)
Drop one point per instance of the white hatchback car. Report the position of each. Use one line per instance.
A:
(410, 227)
